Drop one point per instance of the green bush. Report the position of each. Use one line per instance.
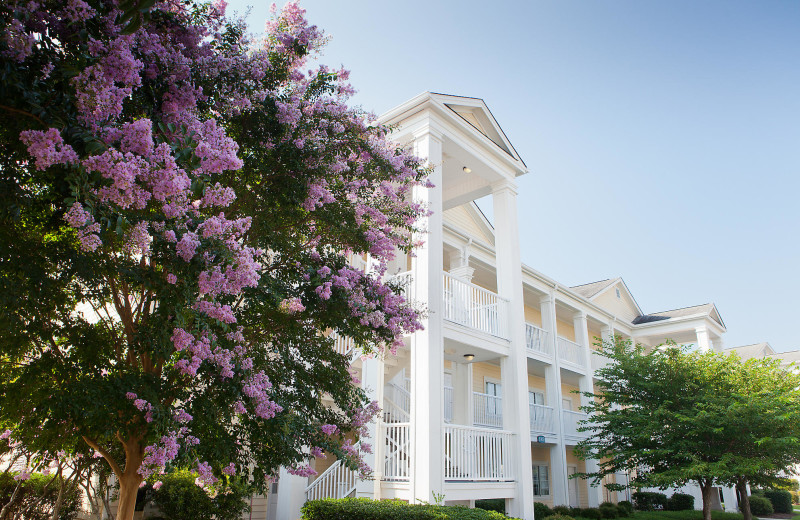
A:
(649, 500)
(179, 498)
(623, 512)
(541, 510)
(795, 497)
(760, 506)
(30, 491)
(592, 512)
(680, 502)
(563, 511)
(627, 506)
(556, 517)
(609, 510)
(781, 500)
(494, 504)
(366, 509)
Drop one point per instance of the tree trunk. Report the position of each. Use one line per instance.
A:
(707, 489)
(130, 479)
(744, 503)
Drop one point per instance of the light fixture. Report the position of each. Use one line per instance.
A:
(467, 169)
(469, 357)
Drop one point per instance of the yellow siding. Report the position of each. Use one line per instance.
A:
(622, 307)
(533, 315)
(460, 218)
(537, 383)
(566, 330)
(566, 392)
(594, 337)
(583, 489)
(258, 505)
(480, 371)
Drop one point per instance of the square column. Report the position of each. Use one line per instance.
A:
(291, 495)
(463, 408)
(703, 338)
(586, 384)
(427, 354)
(514, 368)
(372, 383)
(559, 485)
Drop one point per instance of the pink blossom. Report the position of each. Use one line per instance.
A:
(48, 148)
(158, 485)
(230, 469)
(171, 278)
(292, 306)
(329, 429)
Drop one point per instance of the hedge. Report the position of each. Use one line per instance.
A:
(627, 506)
(680, 502)
(31, 490)
(781, 500)
(649, 500)
(179, 498)
(760, 506)
(366, 509)
(494, 504)
(541, 510)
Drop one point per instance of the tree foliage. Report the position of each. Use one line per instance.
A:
(672, 416)
(178, 203)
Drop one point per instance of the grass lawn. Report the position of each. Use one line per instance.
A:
(683, 515)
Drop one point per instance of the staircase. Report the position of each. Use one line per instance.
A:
(338, 481)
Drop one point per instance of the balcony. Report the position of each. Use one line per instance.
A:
(479, 309)
(477, 454)
(536, 340)
(599, 361)
(572, 423)
(488, 410)
(570, 352)
(542, 419)
(397, 457)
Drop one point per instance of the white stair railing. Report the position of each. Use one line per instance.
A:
(488, 410)
(342, 344)
(536, 339)
(474, 307)
(477, 454)
(393, 412)
(397, 462)
(570, 352)
(406, 282)
(338, 481)
(542, 419)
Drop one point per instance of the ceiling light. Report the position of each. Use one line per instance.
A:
(469, 357)
(467, 169)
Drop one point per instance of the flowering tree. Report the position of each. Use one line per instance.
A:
(178, 204)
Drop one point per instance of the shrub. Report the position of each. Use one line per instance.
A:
(627, 506)
(556, 517)
(30, 491)
(609, 510)
(179, 498)
(680, 502)
(592, 513)
(649, 500)
(540, 510)
(760, 506)
(366, 509)
(781, 500)
(563, 510)
(795, 497)
(495, 504)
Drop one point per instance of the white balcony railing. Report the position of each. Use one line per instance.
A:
(571, 424)
(537, 339)
(477, 454)
(570, 352)
(338, 481)
(397, 458)
(406, 282)
(342, 344)
(542, 419)
(599, 361)
(488, 410)
(474, 307)
(448, 404)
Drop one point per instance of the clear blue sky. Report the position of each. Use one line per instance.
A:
(662, 137)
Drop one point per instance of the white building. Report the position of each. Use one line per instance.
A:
(480, 404)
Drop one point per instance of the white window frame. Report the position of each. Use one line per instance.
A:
(537, 391)
(538, 464)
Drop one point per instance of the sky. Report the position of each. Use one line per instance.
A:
(662, 137)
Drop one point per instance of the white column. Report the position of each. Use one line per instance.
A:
(427, 355)
(719, 344)
(291, 495)
(586, 384)
(559, 485)
(514, 367)
(372, 383)
(729, 496)
(703, 338)
(462, 394)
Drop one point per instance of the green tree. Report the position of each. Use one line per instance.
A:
(671, 416)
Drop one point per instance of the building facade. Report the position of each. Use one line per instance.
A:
(484, 402)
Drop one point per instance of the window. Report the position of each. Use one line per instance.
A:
(618, 293)
(535, 397)
(566, 403)
(494, 407)
(541, 481)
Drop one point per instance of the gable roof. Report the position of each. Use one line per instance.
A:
(707, 309)
(756, 350)
(589, 290)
